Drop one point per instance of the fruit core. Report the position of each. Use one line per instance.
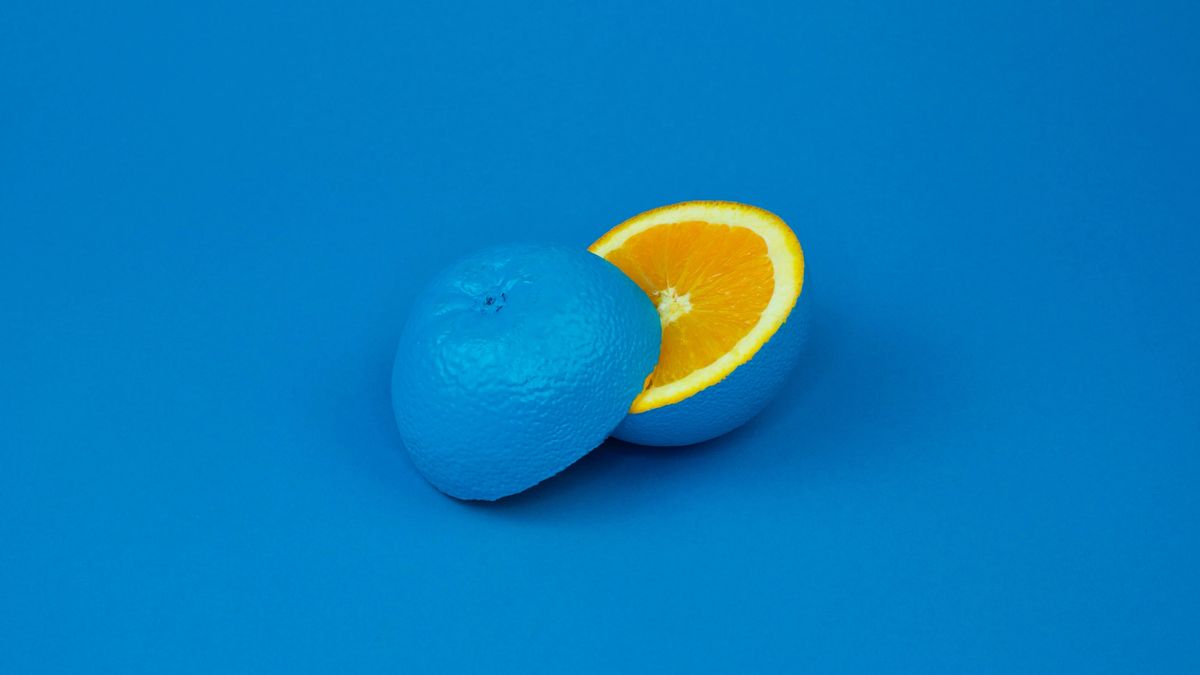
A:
(672, 305)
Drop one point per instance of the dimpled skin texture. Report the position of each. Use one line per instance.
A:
(517, 361)
(730, 403)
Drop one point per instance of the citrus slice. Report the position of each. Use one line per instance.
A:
(724, 277)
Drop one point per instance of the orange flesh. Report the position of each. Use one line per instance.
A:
(710, 282)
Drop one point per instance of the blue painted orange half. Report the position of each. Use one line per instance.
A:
(517, 361)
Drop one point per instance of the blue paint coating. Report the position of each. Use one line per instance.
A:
(517, 361)
(731, 402)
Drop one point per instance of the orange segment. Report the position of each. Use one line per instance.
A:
(724, 277)
(711, 283)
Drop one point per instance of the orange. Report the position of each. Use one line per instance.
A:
(724, 277)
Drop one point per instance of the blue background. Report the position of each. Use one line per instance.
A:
(213, 220)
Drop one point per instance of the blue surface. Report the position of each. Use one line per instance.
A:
(213, 221)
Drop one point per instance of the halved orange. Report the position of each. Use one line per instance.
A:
(724, 276)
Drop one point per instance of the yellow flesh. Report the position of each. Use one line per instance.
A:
(711, 283)
(724, 276)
